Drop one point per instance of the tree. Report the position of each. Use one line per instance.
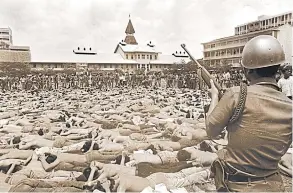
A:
(14, 68)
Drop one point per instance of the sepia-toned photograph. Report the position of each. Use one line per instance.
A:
(146, 96)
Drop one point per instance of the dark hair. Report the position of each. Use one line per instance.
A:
(40, 132)
(286, 68)
(90, 135)
(87, 171)
(201, 116)
(267, 71)
(50, 158)
(183, 155)
(152, 147)
(81, 178)
(68, 125)
(119, 158)
(87, 145)
(59, 132)
(16, 140)
(97, 186)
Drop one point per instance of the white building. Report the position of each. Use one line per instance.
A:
(6, 35)
(128, 56)
(10, 52)
(228, 50)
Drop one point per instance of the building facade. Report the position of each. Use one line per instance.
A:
(228, 50)
(128, 55)
(6, 35)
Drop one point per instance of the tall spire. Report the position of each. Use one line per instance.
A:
(130, 39)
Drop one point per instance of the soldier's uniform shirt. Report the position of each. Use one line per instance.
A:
(263, 133)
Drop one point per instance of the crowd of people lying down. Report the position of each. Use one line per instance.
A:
(105, 81)
(123, 140)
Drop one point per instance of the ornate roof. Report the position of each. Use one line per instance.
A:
(130, 39)
(129, 28)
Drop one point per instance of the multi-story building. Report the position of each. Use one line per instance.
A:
(6, 35)
(228, 50)
(128, 55)
(10, 52)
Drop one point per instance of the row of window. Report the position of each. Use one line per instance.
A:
(227, 52)
(224, 43)
(4, 32)
(141, 56)
(217, 62)
(264, 24)
(5, 39)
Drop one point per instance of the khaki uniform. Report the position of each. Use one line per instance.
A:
(260, 137)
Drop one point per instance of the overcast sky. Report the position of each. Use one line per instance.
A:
(51, 27)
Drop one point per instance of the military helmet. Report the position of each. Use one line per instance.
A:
(262, 51)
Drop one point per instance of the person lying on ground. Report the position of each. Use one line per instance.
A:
(138, 137)
(9, 142)
(107, 145)
(190, 133)
(57, 142)
(36, 185)
(203, 158)
(15, 154)
(76, 131)
(128, 183)
(162, 157)
(74, 162)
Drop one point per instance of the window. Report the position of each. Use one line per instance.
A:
(147, 56)
(55, 66)
(143, 56)
(151, 66)
(110, 65)
(131, 56)
(78, 48)
(34, 65)
(126, 65)
(126, 56)
(283, 18)
(155, 57)
(213, 45)
(138, 56)
(267, 22)
(156, 66)
(105, 65)
(151, 57)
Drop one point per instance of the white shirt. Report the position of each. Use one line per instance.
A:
(286, 85)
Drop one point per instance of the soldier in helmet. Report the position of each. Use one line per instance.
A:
(258, 119)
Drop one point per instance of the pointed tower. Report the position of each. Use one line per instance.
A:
(130, 39)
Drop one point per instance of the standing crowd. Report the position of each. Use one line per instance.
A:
(110, 80)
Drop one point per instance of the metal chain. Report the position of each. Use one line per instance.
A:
(241, 103)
